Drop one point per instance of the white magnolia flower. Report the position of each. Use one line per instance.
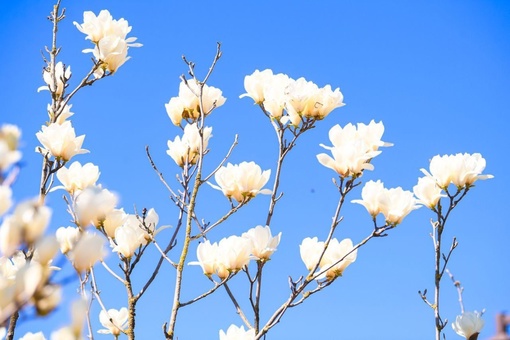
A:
(5, 198)
(48, 298)
(241, 181)
(118, 323)
(87, 251)
(428, 192)
(46, 249)
(60, 140)
(110, 38)
(62, 75)
(79, 311)
(113, 220)
(62, 117)
(186, 150)
(255, 85)
(112, 52)
(468, 324)
(27, 224)
(263, 244)
(461, 169)
(67, 238)
(336, 251)
(306, 99)
(103, 25)
(187, 105)
(93, 204)
(237, 333)
(311, 249)
(233, 255)
(128, 238)
(78, 177)
(206, 255)
(394, 204)
(9, 139)
(353, 148)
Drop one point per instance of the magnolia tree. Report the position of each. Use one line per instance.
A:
(32, 255)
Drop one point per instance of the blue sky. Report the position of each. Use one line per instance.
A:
(435, 72)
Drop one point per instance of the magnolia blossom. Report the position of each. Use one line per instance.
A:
(394, 204)
(27, 224)
(20, 287)
(353, 148)
(300, 98)
(207, 254)
(60, 140)
(46, 249)
(113, 220)
(93, 204)
(67, 238)
(128, 238)
(5, 198)
(468, 324)
(233, 255)
(118, 323)
(255, 85)
(62, 75)
(135, 232)
(48, 298)
(9, 139)
(241, 181)
(110, 38)
(63, 115)
(79, 311)
(336, 258)
(187, 104)
(78, 177)
(237, 333)
(228, 256)
(186, 150)
(263, 244)
(306, 99)
(428, 192)
(87, 251)
(461, 169)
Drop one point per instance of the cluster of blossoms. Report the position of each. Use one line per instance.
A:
(336, 257)
(27, 282)
(394, 203)
(110, 39)
(461, 170)
(186, 150)
(187, 105)
(353, 148)
(233, 253)
(300, 99)
(241, 181)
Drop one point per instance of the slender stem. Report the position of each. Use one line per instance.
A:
(184, 254)
(130, 332)
(12, 326)
(238, 308)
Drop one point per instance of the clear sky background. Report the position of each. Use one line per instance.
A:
(435, 72)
